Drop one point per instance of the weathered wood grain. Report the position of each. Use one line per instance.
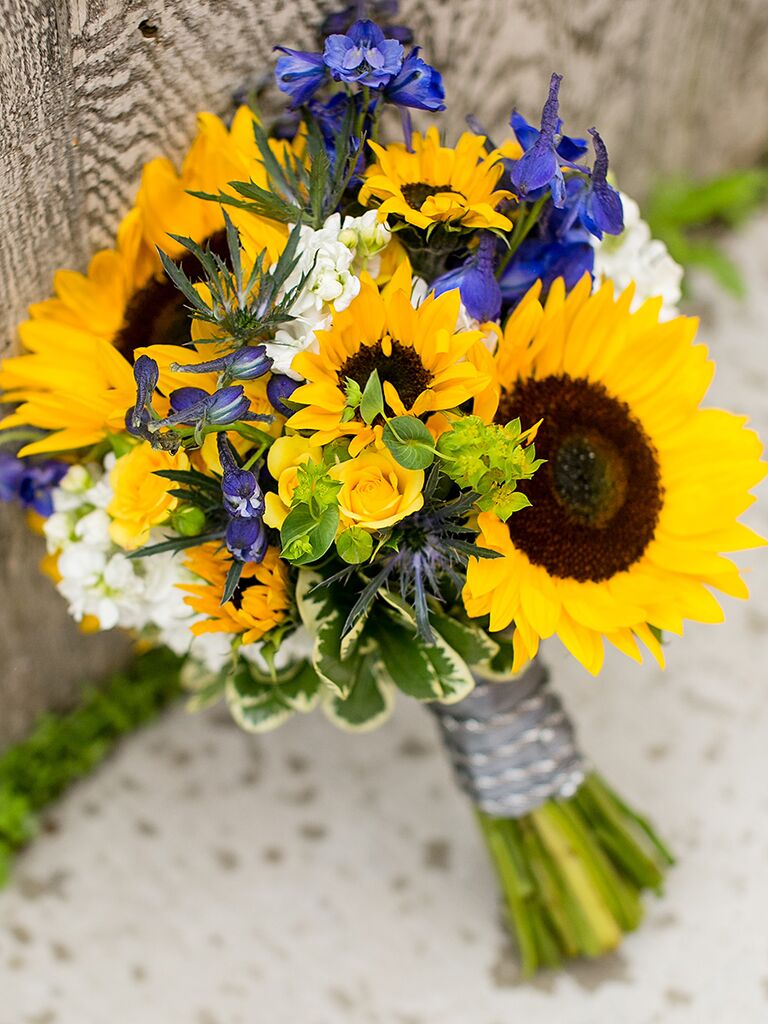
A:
(90, 89)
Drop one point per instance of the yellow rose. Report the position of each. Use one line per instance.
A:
(377, 492)
(283, 461)
(141, 499)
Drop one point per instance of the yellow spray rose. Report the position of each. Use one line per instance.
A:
(283, 461)
(141, 499)
(377, 492)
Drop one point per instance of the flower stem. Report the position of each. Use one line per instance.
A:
(573, 872)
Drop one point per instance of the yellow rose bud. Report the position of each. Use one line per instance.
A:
(141, 499)
(376, 491)
(283, 461)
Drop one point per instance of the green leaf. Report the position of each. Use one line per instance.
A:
(306, 536)
(372, 401)
(424, 671)
(354, 545)
(232, 580)
(323, 611)
(409, 441)
(468, 639)
(370, 699)
(259, 703)
(174, 544)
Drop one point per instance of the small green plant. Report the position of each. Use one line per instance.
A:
(64, 747)
(685, 215)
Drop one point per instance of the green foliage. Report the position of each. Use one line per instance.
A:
(409, 442)
(241, 310)
(354, 545)
(300, 188)
(64, 747)
(310, 527)
(489, 460)
(260, 702)
(372, 399)
(363, 667)
(683, 214)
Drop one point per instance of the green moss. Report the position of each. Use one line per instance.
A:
(64, 747)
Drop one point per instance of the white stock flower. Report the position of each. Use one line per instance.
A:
(331, 260)
(97, 578)
(635, 256)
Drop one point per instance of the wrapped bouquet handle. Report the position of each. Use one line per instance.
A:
(572, 858)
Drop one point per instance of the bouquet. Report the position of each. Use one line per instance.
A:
(350, 409)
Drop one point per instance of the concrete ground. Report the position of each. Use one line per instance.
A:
(203, 876)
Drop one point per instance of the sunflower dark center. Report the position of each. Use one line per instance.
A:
(402, 368)
(596, 501)
(155, 314)
(417, 191)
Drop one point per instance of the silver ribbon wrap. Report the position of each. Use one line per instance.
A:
(512, 744)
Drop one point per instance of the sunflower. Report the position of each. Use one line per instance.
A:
(75, 379)
(419, 355)
(433, 184)
(641, 489)
(261, 602)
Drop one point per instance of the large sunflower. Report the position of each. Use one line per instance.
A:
(418, 353)
(433, 184)
(641, 489)
(75, 379)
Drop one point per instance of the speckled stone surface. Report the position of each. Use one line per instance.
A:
(308, 877)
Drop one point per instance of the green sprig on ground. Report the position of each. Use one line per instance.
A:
(65, 747)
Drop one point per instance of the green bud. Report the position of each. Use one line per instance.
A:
(354, 545)
(188, 520)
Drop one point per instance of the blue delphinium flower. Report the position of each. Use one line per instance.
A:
(558, 246)
(545, 150)
(280, 388)
(30, 483)
(363, 55)
(246, 539)
(546, 259)
(601, 209)
(246, 363)
(299, 74)
(11, 473)
(476, 281)
(240, 490)
(418, 85)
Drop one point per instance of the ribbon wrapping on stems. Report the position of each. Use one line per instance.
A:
(511, 744)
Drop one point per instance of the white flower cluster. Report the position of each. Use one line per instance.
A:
(98, 580)
(635, 256)
(331, 260)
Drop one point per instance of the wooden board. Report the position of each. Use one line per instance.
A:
(90, 89)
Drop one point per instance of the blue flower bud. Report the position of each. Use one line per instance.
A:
(299, 74)
(227, 406)
(280, 388)
(418, 85)
(246, 363)
(184, 398)
(246, 539)
(146, 374)
(601, 209)
(240, 490)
